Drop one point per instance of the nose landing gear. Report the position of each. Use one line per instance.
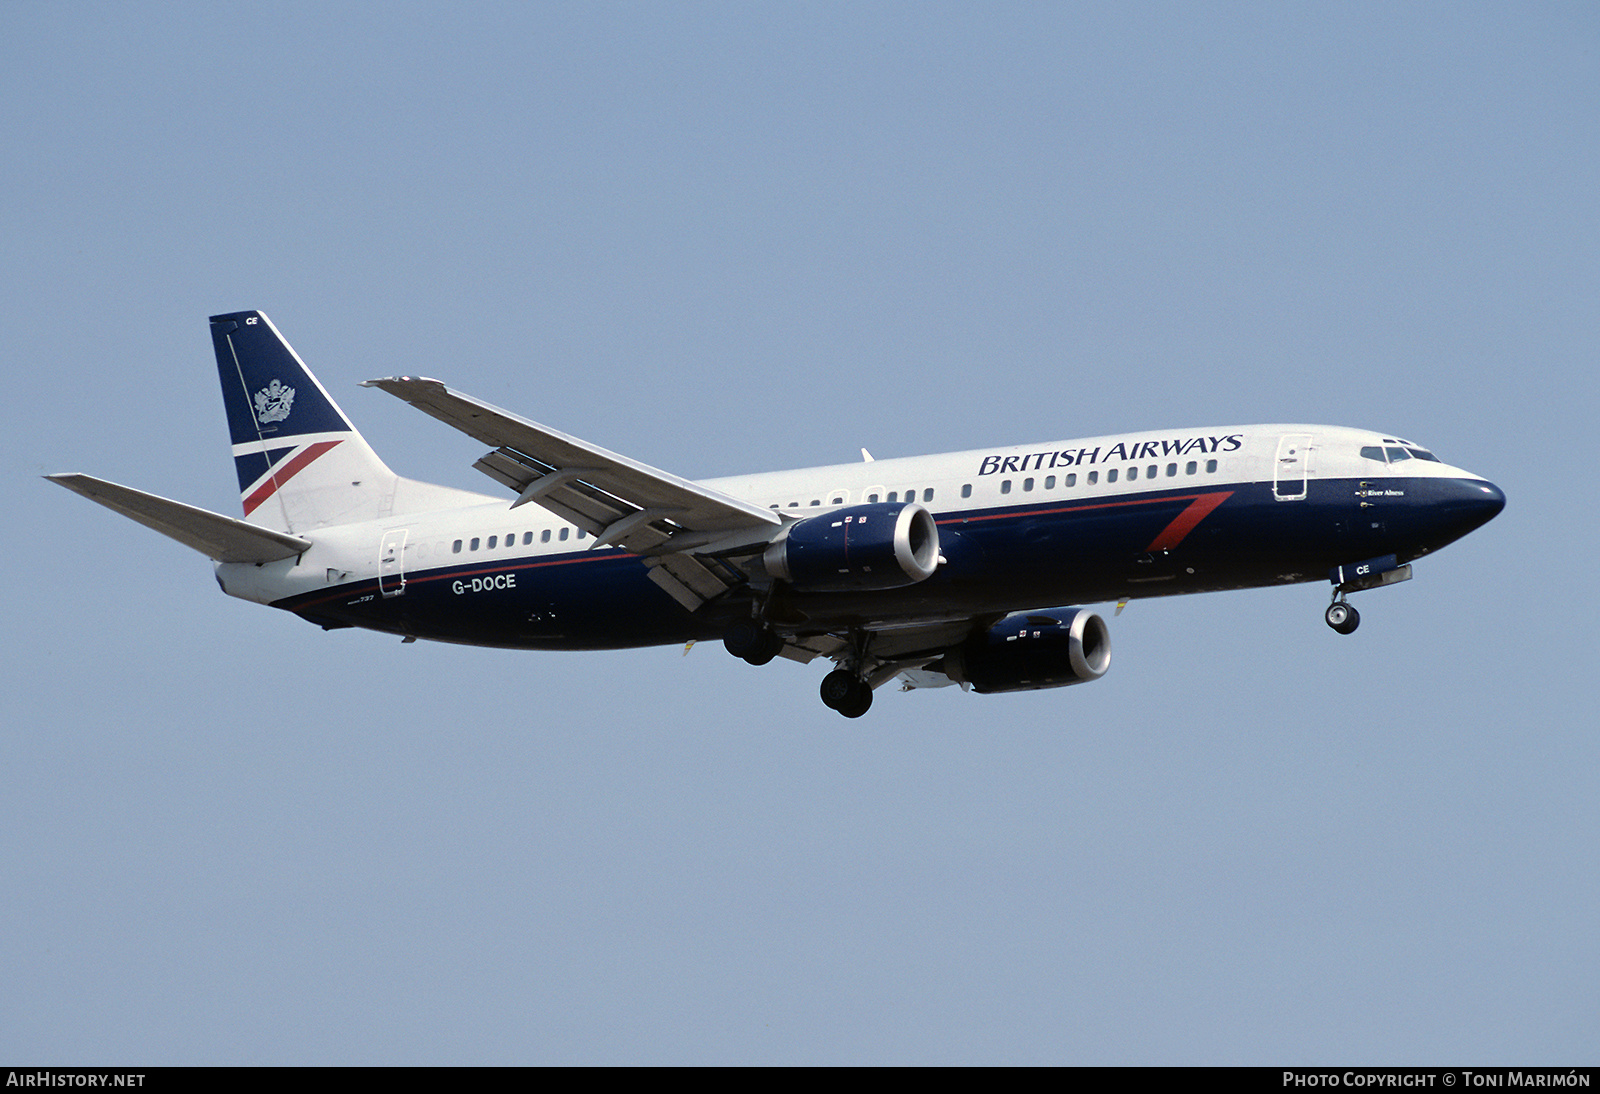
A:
(1342, 617)
(1352, 578)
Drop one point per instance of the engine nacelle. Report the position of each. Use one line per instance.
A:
(879, 546)
(1033, 650)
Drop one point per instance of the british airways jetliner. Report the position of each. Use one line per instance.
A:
(935, 570)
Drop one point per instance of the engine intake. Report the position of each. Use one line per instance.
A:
(1033, 650)
(878, 546)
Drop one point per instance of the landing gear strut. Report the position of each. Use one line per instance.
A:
(846, 692)
(1342, 617)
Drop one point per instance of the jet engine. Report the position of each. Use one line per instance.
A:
(877, 546)
(1033, 650)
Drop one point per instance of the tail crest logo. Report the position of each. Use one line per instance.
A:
(273, 402)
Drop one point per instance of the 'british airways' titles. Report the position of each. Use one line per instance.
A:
(1122, 450)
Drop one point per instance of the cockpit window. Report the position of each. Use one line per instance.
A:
(1397, 451)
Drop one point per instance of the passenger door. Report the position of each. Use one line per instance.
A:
(1291, 467)
(391, 563)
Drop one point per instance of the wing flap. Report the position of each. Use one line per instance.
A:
(225, 539)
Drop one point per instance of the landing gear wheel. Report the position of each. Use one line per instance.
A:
(766, 649)
(860, 705)
(1342, 617)
(748, 639)
(837, 687)
(846, 692)
(741, 636)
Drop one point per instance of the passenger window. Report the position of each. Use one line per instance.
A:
(456, 547)
(966, 490)
(1172, 469)
(544, 536)
(492, 541)
(474, 543)
(872, 498)
(816, 501)
(894, 495)
(1005, 487)
(1133, 473)
(527, 538)
(1094, 477)
(1027, 484)
(927, 495)
(1049, 482)
(1211, 465)
(1150, 472)
(837, 499)
(1190, 468)
(1071, 480)
(581, 533)
(564, 532)
(1111, 476)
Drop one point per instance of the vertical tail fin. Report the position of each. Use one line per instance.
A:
(301, 464)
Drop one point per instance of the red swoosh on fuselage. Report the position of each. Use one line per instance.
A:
(1199, 507)
(1182, 524)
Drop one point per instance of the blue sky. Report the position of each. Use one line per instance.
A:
(724, 238)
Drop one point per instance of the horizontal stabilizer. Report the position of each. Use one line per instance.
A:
(212, 534)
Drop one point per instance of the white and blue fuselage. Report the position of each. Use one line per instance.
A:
(936, 569)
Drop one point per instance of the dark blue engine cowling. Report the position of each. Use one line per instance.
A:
(1033, 650)
(880, 546)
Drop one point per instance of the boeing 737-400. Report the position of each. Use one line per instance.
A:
(934, 570)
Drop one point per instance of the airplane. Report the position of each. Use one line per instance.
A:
(934, 570)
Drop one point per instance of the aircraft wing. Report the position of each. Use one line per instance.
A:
(212, 534)
(674, 523)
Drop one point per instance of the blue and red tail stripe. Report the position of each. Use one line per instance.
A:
(290, 462)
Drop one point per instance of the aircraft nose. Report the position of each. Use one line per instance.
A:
(1470, 504)
(1483, 501)
(1450, 509)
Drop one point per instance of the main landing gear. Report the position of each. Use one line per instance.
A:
(750, 640)
(1342, 617)
(844, 691)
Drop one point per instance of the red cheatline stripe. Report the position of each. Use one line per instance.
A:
(1184, 522)
(283, 473)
